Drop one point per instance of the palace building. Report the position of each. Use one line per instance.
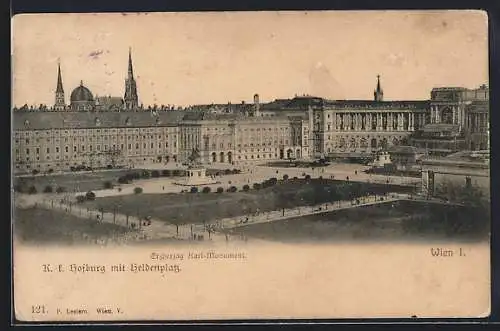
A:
(109, 131)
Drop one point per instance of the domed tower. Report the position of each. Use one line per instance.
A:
(379, 93)
(59, 105)
(131, 98)
(82, 99)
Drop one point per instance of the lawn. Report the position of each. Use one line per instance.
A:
(74, 181)
(404, 220)
(36, 225)
(206, 207)
(91, 181)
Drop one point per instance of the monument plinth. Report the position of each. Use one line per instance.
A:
(196, 172)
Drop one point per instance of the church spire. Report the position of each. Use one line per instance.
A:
(59, 97)
(379, 93)
(130, 98)
(59, 88)
(130, 68)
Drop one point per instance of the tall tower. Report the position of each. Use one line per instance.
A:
(256, 105)
(59, 105)
(379, 93)
(131, 99)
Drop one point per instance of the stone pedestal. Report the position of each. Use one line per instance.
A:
(196, 175)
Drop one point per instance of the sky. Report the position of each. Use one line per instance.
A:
(219, 57)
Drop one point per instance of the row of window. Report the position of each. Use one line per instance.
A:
(27, 141)
(94, 131)
(98, 147)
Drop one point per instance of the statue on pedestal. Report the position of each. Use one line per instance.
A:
(194, 160)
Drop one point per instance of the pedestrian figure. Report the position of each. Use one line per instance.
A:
(163, 188)
(355, 172)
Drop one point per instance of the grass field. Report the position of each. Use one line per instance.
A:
(200, 207)
(81, 182)
(37, 226)
(404, 220)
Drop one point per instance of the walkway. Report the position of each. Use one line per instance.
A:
(159, 229)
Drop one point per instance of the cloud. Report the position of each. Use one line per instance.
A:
(322, 83)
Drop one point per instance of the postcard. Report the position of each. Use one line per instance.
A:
(218, 166)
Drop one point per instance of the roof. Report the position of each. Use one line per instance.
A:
(109, 100)
(53, 120)
(460, 158)
(469, 156)
(297, 103)
(81, 93)
(208, 116)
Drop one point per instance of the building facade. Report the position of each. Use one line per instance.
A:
(238, 139)
(45, 141)
(457, 119)
(459, 169)
(110, 131)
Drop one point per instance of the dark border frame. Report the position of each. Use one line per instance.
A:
(491, 7)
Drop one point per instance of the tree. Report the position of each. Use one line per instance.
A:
(246, 188)
(166, 173)
(307, 177)
(145, 174)
(90, 195)
(138, 190)
(80, 198)
(232, 189)
(60, 189)
(50, 171)
(285, 177)
(123, 180)
(108, 185)
(32, 190)
(176, 173)
(220, 190)
(155, 174)
(227, 172)
(257, 186)
(48, 189)
(35, 171)
(206, 189)
(194, 189)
